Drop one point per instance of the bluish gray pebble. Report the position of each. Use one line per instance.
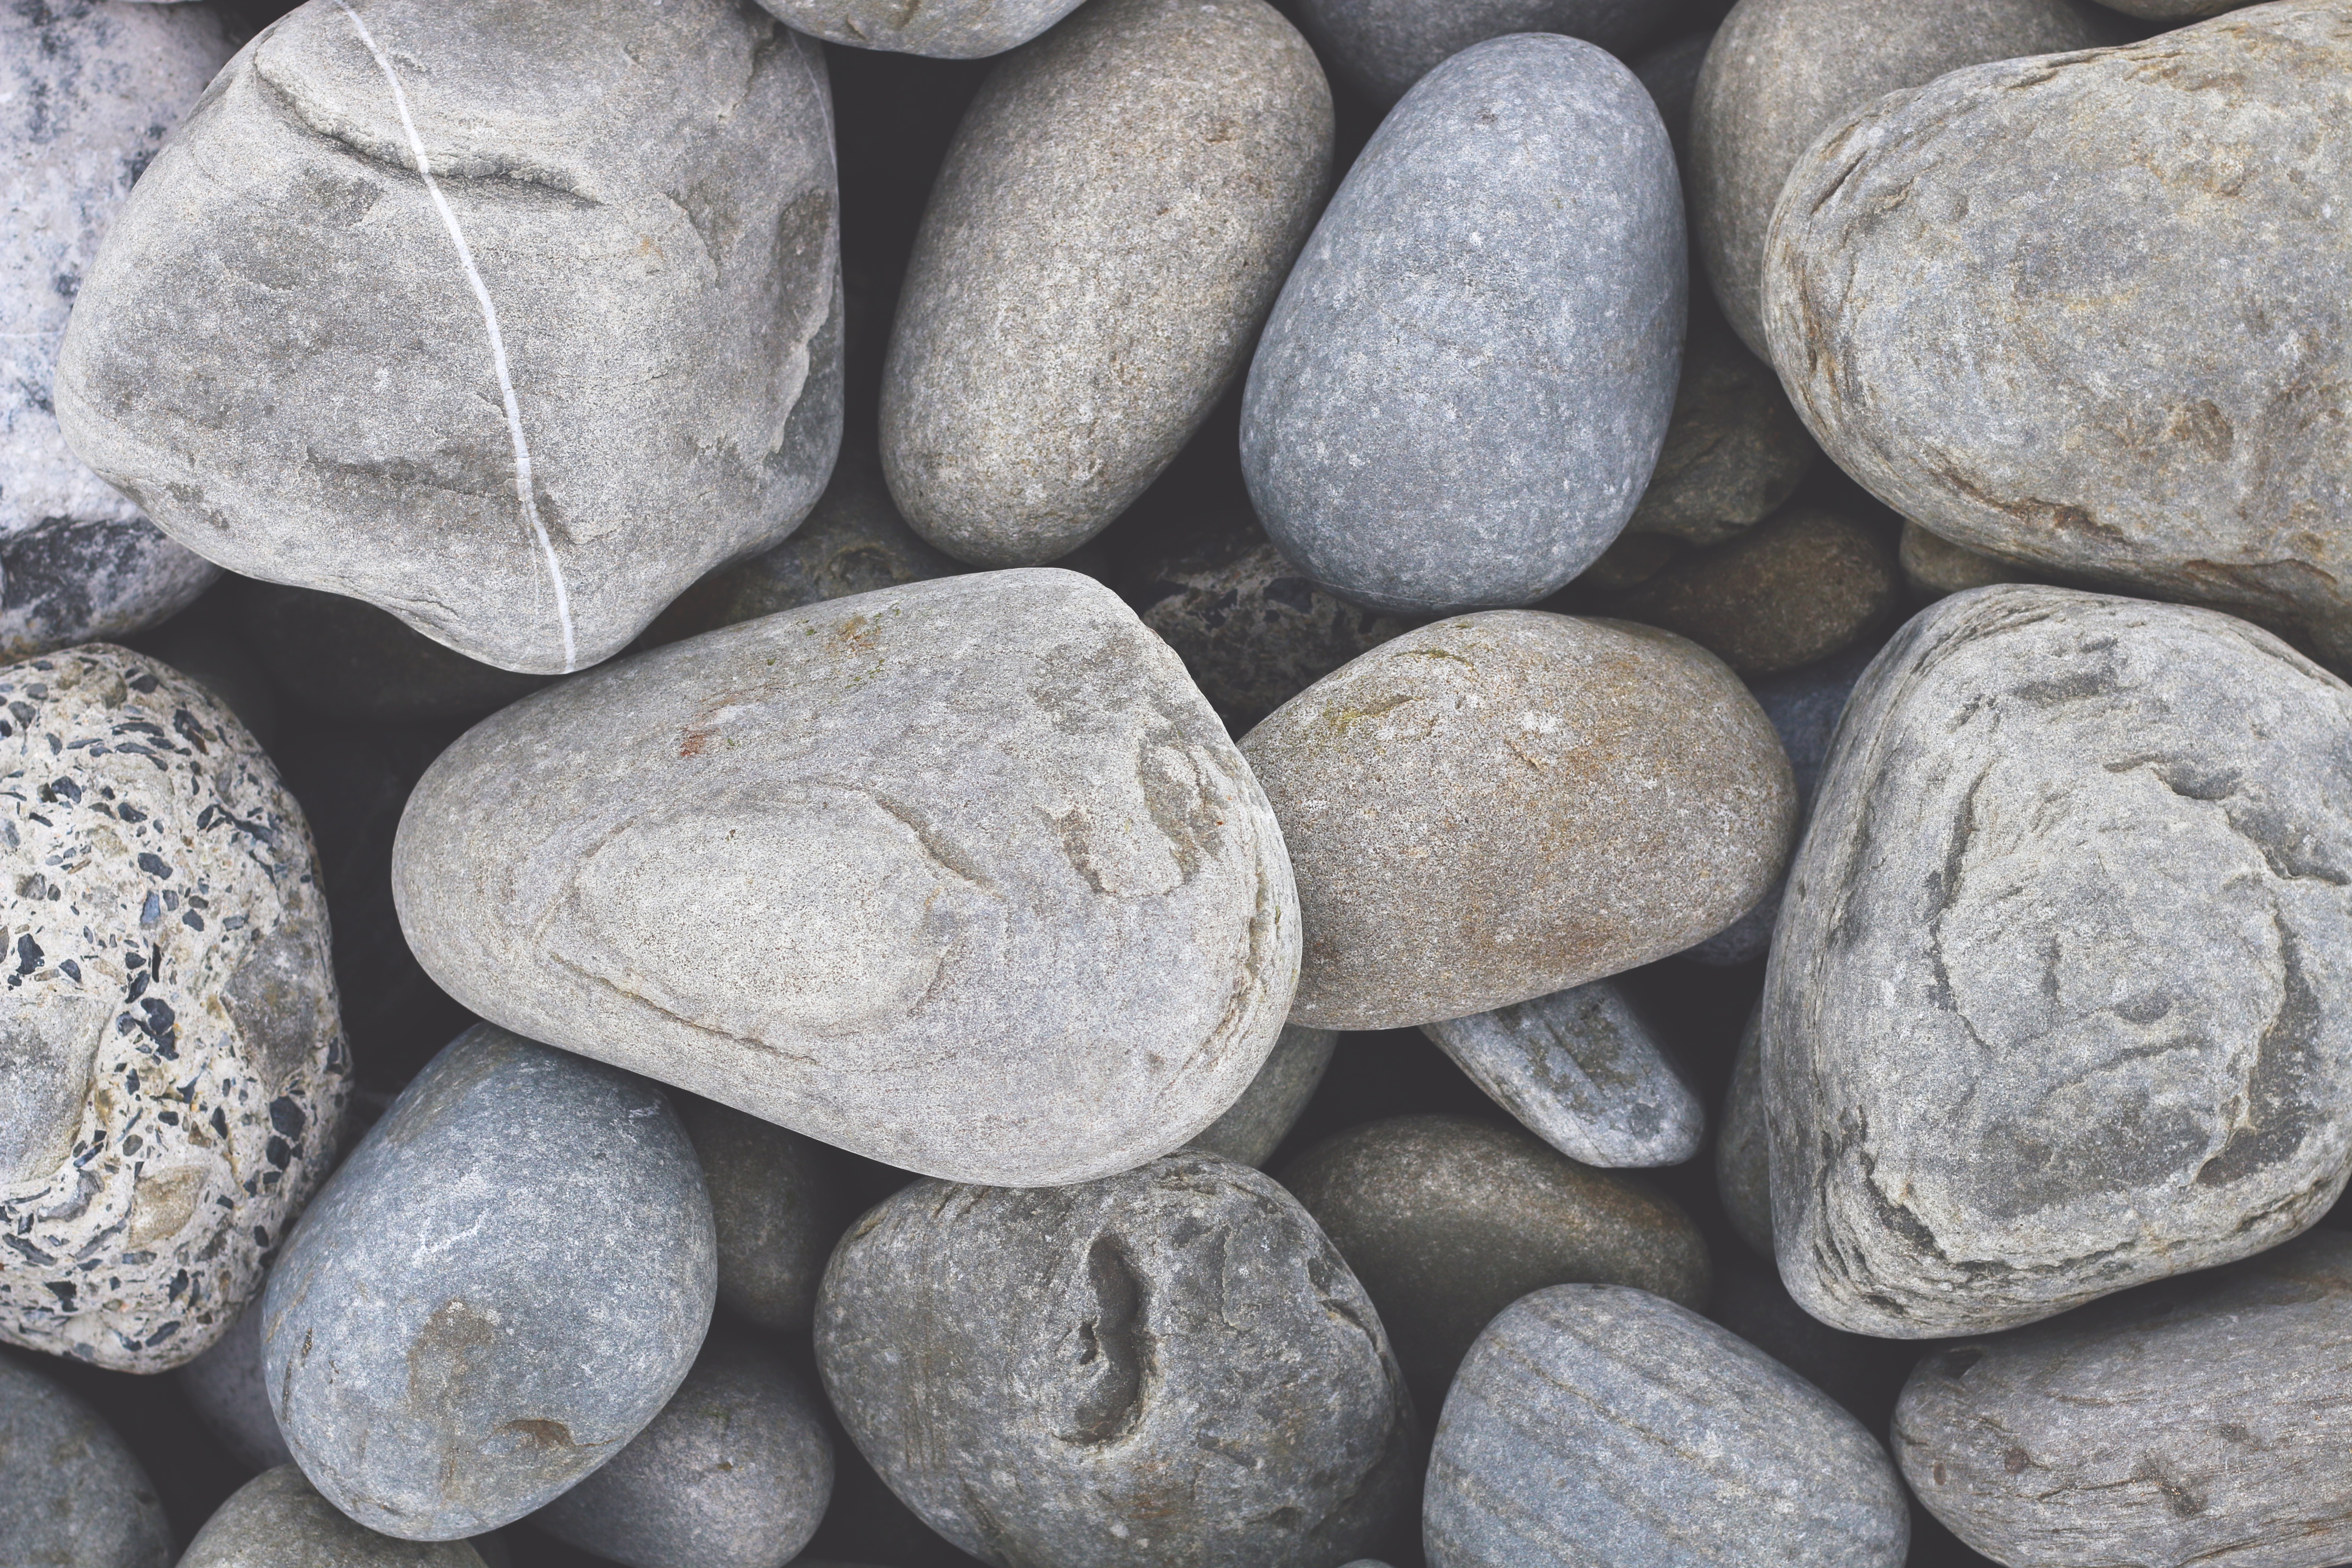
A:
(278, 1520)
(71, 1496)
(1381, 48)
(780, 1201)
(1255, 1124)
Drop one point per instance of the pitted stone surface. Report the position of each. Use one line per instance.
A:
(944, 29)
(1381, 48)
(72, 1495)
(1255, 1124)
(278, 1520)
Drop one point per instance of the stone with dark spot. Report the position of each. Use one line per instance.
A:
(71, 1494)
(962, 876)
(1169, 1366)
(346, 659)
(2140, 251)
(2058, 1001)
(277, 1520)
(1253, 1125)
(229, 1393)
(431, 1357)
(1381, 48)
(942, 29)
(1734, 450)
(779, 1201)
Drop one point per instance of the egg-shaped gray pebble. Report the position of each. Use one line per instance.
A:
(226, 1387)
(277, 1520)
(72, 1495)
(942, 29)
(779, 1201)
(1381, 48)
(1255, 1124)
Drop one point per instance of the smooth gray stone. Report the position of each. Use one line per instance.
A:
(1463, 390)
(1169, 1366)
(72, 1495)
(2159, 419)
(1001, 901)
(279, 1520)
(1381, 48)
(1253, 1126)
(346, 659)
(2199, 1421)
(433, 1361)
(1084, 285)
(1600, 1424)
(943, 29)
(1780, 72)
(226, 1388)
(1743, 1152)
(734, 1473)
(392, 318)
(2057, 1001)
(171, 1063)
(779, 1201)
(1734, 451)
(1582, 1071)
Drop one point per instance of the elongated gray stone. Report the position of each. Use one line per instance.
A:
(278, 1520)
(1253, 1125)
(1462, 392)
(394, 318)
(226, 1388)
(431, 1362)
(1582, 1071)
(72, 1495)
(2057, 996)
(1743, 1150)
(1168, 1366)
(1598, 1422)
(1381, 48)
(943, 29)
(1085, 285)
(1002, 900)
(779, 1201)
(2139, 246)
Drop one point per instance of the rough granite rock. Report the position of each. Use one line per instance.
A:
(1381, 47)
(1255, 1124)
(346, 659)
(1446, 1221)
(1168, 1366)
(171, 1065)
(2199, 1422)
(1743, 1151)
(393, 317)
(1935, 567)
(1502, 806)
(1114, 216)
(1780, 72)
(1462, 392)
(2055, 1004)
(1600, 1424)
(1582, 1071)
(1734, 450)
(1006, 903)
(72, 1495)
(734, 1473)
(278, 1520)
(944, 29)
(779, 1201)
(226, 1387)
(2139, 250)
(432, 1361)
(1797, 588)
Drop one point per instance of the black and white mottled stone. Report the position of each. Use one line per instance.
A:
(1601, 1424)
(226, 1387)
(434, 1362)
(1253, 1125)
(277, 1520)
(88, 90)
(1743, 1150)
(734, 1473)
(524, 445)
(1168, 1366)
(1381, 48)
(779, 1201)
(2057, 1000)
(1085, 285)
(1002, 900)
(943, 29)
(1462, 392)
(346, 659)
(171, 1064)
(72, 1495)
(1582, 1071)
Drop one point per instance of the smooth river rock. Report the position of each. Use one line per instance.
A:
(2198, 1422)
(436, 1358)
(278, 1520)
(346, 659)
(1169, 1366)
(1734, 450)
(171, 1065)
(1255, 1124)
(226, 1388)
(1582, 1070)
(1463, 390)
(392, 317)
(1743, 1149)
(1935, 567)
(2056, 1004)
(1503, 805)
(779, 1201)
(1381, 48)
(2138, 249)
(1114, 216)
(72, 1495)
(1003, 902)
(943, 29)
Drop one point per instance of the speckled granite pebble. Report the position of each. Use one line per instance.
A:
(1503, 805)
(1743, 1155)
(945, 29)
(434, 1364)
(346, 659)
(1600, 1424)
(1581, 1070)
(779, 1201)
(1169, 1366)
(279, 1520)
(1797, 588)
(1734, 450)
(225, 1386)
(1004, 901)
(175, 1067)
(72, 1495)
(734, 1473)
(1462, 392)
(1255, 1124)
(2057, 1000)
(1381, 48)
(1934, 567)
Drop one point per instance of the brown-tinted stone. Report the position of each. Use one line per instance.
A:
(1792, 590)
(1933, 566)
(1735, 449)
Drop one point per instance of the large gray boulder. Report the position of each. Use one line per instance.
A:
(943, 29)
(2140, 251)
(1001, 901)
(396, 316)
(1463, 390)
(2058, 1000)
(277, 1520)
(1381, 48)
(72, 1495)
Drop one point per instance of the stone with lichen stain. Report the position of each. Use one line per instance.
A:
(2057, 1001)
(1168, 1366)
(998, 898)
(277, 1520)
(174, 1065)
(2087, 312)
(941, 29)
(70, 1492)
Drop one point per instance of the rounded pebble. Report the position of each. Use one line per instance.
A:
(72, 1495)
(1254, 1125)
(279, 1520)
(1735, 449)
(1381, 48)
(779, 1201)
(943, 29)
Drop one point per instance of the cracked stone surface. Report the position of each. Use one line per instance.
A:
(277, 1520)
(513, 323)
(1253, 1125)
(1169, 1366)
(431, 1362)
(943, 29)
(779, 1202)
(2140, 249)
(172, 1062)
(71, 1494)
(2057, 1002)
(1381, 48)
(1003, 900)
